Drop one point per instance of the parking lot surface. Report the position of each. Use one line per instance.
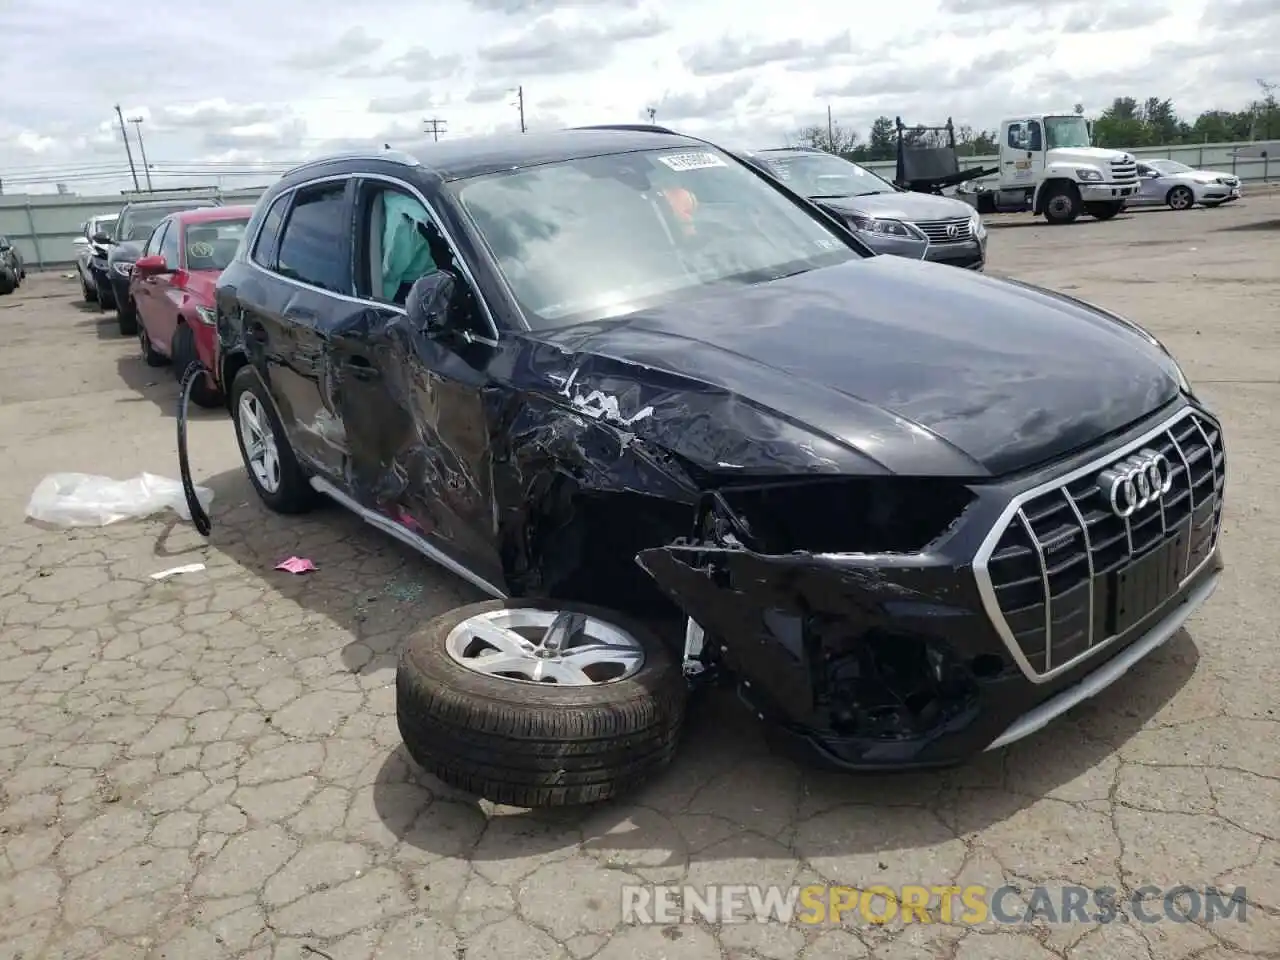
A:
(209, 767)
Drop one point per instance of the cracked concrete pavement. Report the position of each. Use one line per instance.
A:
(209, 766)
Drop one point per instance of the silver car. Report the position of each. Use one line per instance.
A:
(1181, 187)
(920, 226)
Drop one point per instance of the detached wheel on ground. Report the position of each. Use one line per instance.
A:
(537, 703)
(1062, 203)
(1181, 198)
(203, 392)
(127, 317)
(1103, 210)
(273, 469)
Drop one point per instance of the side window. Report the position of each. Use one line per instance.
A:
(169, 244)
(1033, 130)
(264, 248)
(154, 241)
(1017, 136)
(394, 244)
(315, 237)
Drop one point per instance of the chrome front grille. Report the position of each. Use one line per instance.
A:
(1124, 171)
(945, 231)
(1065, 574)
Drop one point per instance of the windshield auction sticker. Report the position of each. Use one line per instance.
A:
(691, 161)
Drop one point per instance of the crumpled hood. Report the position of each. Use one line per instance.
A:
(911, 367)
(901, 206)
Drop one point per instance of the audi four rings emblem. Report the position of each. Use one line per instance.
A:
(1140, 479)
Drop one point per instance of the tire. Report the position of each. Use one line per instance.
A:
(8, 281)
(1103, 210)
(88, 294)
(150, 355)
(203, 393)
(529, 744)
(1062, 204)
(1180, 198)
(293, 493)
(127, 318)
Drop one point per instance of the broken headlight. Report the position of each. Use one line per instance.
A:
(838, 515)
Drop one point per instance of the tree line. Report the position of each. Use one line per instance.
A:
(1128, 122)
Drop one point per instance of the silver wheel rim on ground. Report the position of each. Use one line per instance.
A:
(1060, 206)
(259, 442)
(1181, 199)
(526, 645)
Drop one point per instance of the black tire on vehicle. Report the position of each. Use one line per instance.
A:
(87, 293)
(531, 744)
(150, 356)
(127, 317)
(1104, 209)
(8, 282)
(294, 494)
(1180, 198)
(1062, 204)
(203, 393)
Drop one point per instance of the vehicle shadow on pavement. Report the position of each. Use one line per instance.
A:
(159, 386)
(103, 323)
(727, 796)
(1038, 222)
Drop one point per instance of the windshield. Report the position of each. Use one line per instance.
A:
(106, 225)
(1066, 132)
(824, 175)
(211, 244)
(137, 224)
(605, 236)
(1169, 166)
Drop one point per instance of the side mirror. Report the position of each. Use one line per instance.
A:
(101, 237)
(439, 303)
(151, 266)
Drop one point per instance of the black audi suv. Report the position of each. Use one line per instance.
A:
(616, 375)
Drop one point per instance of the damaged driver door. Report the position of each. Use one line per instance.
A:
(413, 384)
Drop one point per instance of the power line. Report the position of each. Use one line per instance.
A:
(434, 127)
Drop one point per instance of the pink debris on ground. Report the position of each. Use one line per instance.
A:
(296, 565)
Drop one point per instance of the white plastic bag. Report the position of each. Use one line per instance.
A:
(86, 500)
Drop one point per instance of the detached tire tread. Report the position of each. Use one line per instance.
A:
(543, 745)
(184, 354)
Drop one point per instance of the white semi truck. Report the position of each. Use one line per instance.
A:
(1048, 166)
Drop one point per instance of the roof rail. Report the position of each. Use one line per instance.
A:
(395, 156)
(635, 127)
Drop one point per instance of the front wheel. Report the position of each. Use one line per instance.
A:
(88, 293)
(536, 703)
(150, 355)
(203, 392)
(127, 317)
(1062, 205)
(1181, 198)
(273, 469)
(1104, 210)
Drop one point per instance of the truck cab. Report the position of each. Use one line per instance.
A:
(1048, 164)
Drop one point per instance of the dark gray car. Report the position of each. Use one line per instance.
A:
(920, 226)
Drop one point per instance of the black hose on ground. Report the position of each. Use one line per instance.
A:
(198, 516)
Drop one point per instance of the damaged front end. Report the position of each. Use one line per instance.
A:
(879, 657)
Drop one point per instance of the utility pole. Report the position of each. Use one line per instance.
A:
(652, 112)
(142, 149)
(435, 128)
(520, 104)
(831, 130)
(124, 132)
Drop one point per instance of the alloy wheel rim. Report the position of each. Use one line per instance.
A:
(527, 645)
(258, 443)
(1179, 200)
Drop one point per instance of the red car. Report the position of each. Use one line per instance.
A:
(172, 289)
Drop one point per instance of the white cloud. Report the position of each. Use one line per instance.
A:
(244, 81)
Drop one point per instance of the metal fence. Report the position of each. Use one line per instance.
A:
(43, 226)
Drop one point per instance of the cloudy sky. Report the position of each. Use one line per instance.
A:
(222, 85)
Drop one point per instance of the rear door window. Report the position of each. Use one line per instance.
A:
(264, 247)
(313, 248)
